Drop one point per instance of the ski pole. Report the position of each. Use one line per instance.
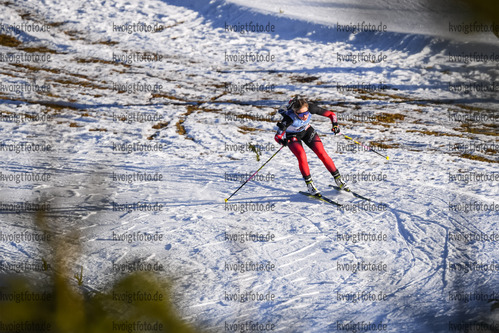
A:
(366, 147)
(254, 173)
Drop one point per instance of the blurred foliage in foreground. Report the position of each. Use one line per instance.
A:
(56, 300)
(136, 303)
(485, 10)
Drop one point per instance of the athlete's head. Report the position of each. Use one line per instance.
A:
(300, 108)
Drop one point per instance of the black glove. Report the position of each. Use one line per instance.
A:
(336, 129)
(279, 139)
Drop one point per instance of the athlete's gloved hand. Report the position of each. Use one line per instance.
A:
(334, 120)
(279, 139)
(335, 128)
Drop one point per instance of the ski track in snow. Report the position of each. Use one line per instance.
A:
(198, 131)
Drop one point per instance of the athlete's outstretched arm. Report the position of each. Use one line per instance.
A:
(313, 108)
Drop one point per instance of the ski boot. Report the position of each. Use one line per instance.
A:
(339, 181)
(311, 187)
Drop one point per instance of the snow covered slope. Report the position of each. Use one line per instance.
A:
(421, 16)
(149, 132)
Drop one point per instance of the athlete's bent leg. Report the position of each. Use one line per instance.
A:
(297, 149)
(318, 148)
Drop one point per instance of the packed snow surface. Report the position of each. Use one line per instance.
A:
(151, 130)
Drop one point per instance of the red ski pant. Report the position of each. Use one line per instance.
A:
(313, 141)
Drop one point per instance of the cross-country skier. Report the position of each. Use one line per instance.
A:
(295, 127)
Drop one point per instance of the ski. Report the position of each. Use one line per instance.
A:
(322, 198)
(357, 195)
